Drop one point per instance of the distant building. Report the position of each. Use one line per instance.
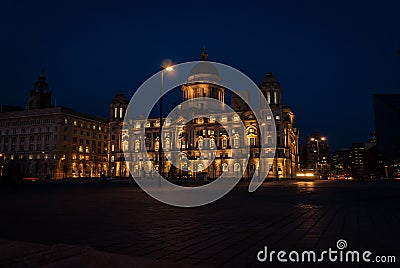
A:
(341, 163)
(359, 162)
(316, 153)
(387, 126)
(52, 141)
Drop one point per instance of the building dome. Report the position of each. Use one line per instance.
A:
(204, 72)
(120, 98)
(269, 79)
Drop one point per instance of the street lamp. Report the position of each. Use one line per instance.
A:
(160, 147)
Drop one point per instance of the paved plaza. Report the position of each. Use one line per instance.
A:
(51, 224)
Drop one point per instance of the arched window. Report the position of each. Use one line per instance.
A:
(167, 144)
(156, 145)
(224, 167)
(200, 167)
(212, 143)
(236, 141)
(201, 143)
(236, 167)
(125, 146)
(137, 145)
(224, 142)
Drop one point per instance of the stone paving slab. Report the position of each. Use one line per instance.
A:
(72, 222)
(24, 254)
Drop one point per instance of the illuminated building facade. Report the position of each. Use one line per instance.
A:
(206, 142)
(55, 142)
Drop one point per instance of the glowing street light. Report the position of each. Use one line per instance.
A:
(167, 68)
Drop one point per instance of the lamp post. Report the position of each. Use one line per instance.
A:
(160, 147)
(1, 165)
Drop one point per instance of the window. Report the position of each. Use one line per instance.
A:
(212, 143)
(224, 142)
(137, 146)
(224, 167)
(65, 121)
(115, 112)
(121, 112)
(75, 123)
(236, 141)
(112, 148)
(200, 144)
(278, 117)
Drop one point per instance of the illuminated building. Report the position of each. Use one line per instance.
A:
(316, 154)
(56, 142)
(205, 135)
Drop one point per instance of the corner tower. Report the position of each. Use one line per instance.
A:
(40, 96)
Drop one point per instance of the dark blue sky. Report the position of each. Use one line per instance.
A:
(330, 56)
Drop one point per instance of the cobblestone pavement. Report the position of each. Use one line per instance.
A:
(120, 218)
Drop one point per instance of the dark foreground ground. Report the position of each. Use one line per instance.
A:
(120, 218)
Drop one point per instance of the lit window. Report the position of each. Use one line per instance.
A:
(236, 118)
(65, 121)
(115, 112)
(236, 141)
(75, 123)
(112, 148)
(120, 112)
(224, 118)
(80, 149)
(156, 146)
(212, 119)
(269, 117)
(112, 158)
(212, 143)
(224, 167)
(200, 144)
(224, 142)
(137, 145)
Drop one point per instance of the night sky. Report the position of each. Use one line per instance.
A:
(330, 57)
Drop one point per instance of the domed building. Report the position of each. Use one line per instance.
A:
(207, 143)
(203, 81)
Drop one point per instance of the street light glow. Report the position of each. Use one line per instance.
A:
(169, 68)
